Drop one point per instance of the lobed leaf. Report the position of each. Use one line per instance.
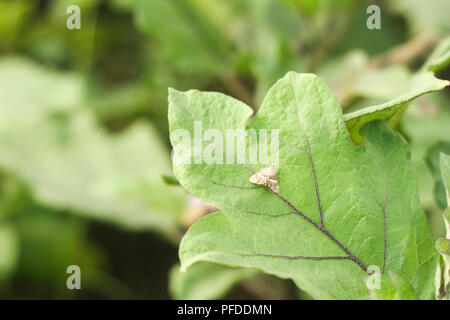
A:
(340, 208)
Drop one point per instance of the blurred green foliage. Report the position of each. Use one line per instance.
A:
(84, 152)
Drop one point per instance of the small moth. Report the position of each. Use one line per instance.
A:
(267, 177)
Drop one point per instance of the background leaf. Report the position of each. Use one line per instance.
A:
(205, 281)
(434, 165)
(443, 244)
(421, 83)
(424, 17)
(186, 33)
(77, 165)
(392, 110)
(8, 253)
(440, 58)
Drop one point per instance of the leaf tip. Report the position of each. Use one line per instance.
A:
(184, 267)
(172, 91)
(293, 74)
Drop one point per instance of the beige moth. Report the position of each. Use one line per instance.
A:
(267, 177)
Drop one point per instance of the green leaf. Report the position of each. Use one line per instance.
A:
(433, 165)
(353, 75)
(26, 87)
(170, 180)
(393, 287)
(445, 171)
(440, 58)
(205, 281)
(425, 123)
(79, 166)
(70, 162)
(421, 83)
(392, 110)
(447, 218)
(366, 196)
(65, 241)
(179, 28)
(424, 16)
(272, 40)
(8, 252)
(443, 245)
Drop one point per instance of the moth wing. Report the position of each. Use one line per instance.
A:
(274, 186)
(270, 172)
(257, 179)
(267, 177)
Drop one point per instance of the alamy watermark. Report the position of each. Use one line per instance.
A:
(211, 146)
(74, 20)
(374, 20)
(74, 280)
(374, 280)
